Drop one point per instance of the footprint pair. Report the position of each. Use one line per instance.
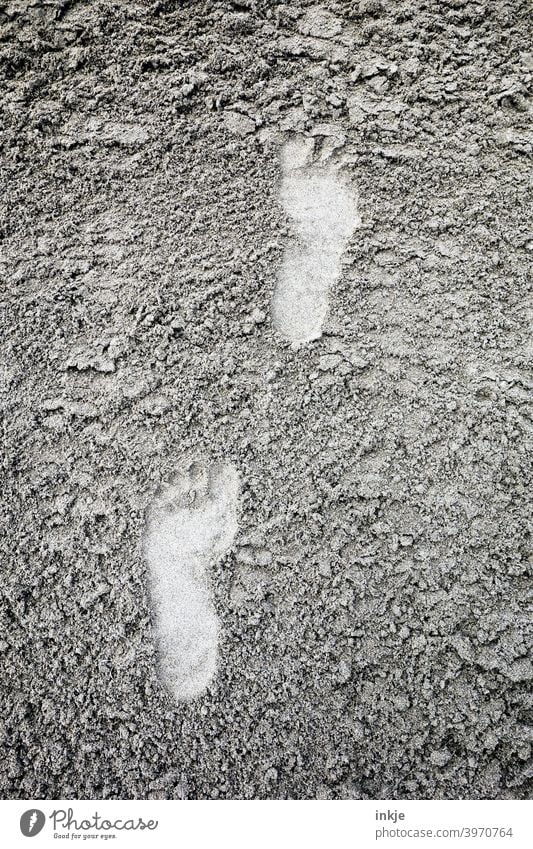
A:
(193, 520)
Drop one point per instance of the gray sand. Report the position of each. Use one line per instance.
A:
(335, 602)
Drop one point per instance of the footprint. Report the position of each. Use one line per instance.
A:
(191, 522)
(323, 210)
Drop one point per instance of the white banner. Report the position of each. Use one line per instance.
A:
(268, 824)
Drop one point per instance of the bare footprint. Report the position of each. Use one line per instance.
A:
(191, 522)
(323, 210)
